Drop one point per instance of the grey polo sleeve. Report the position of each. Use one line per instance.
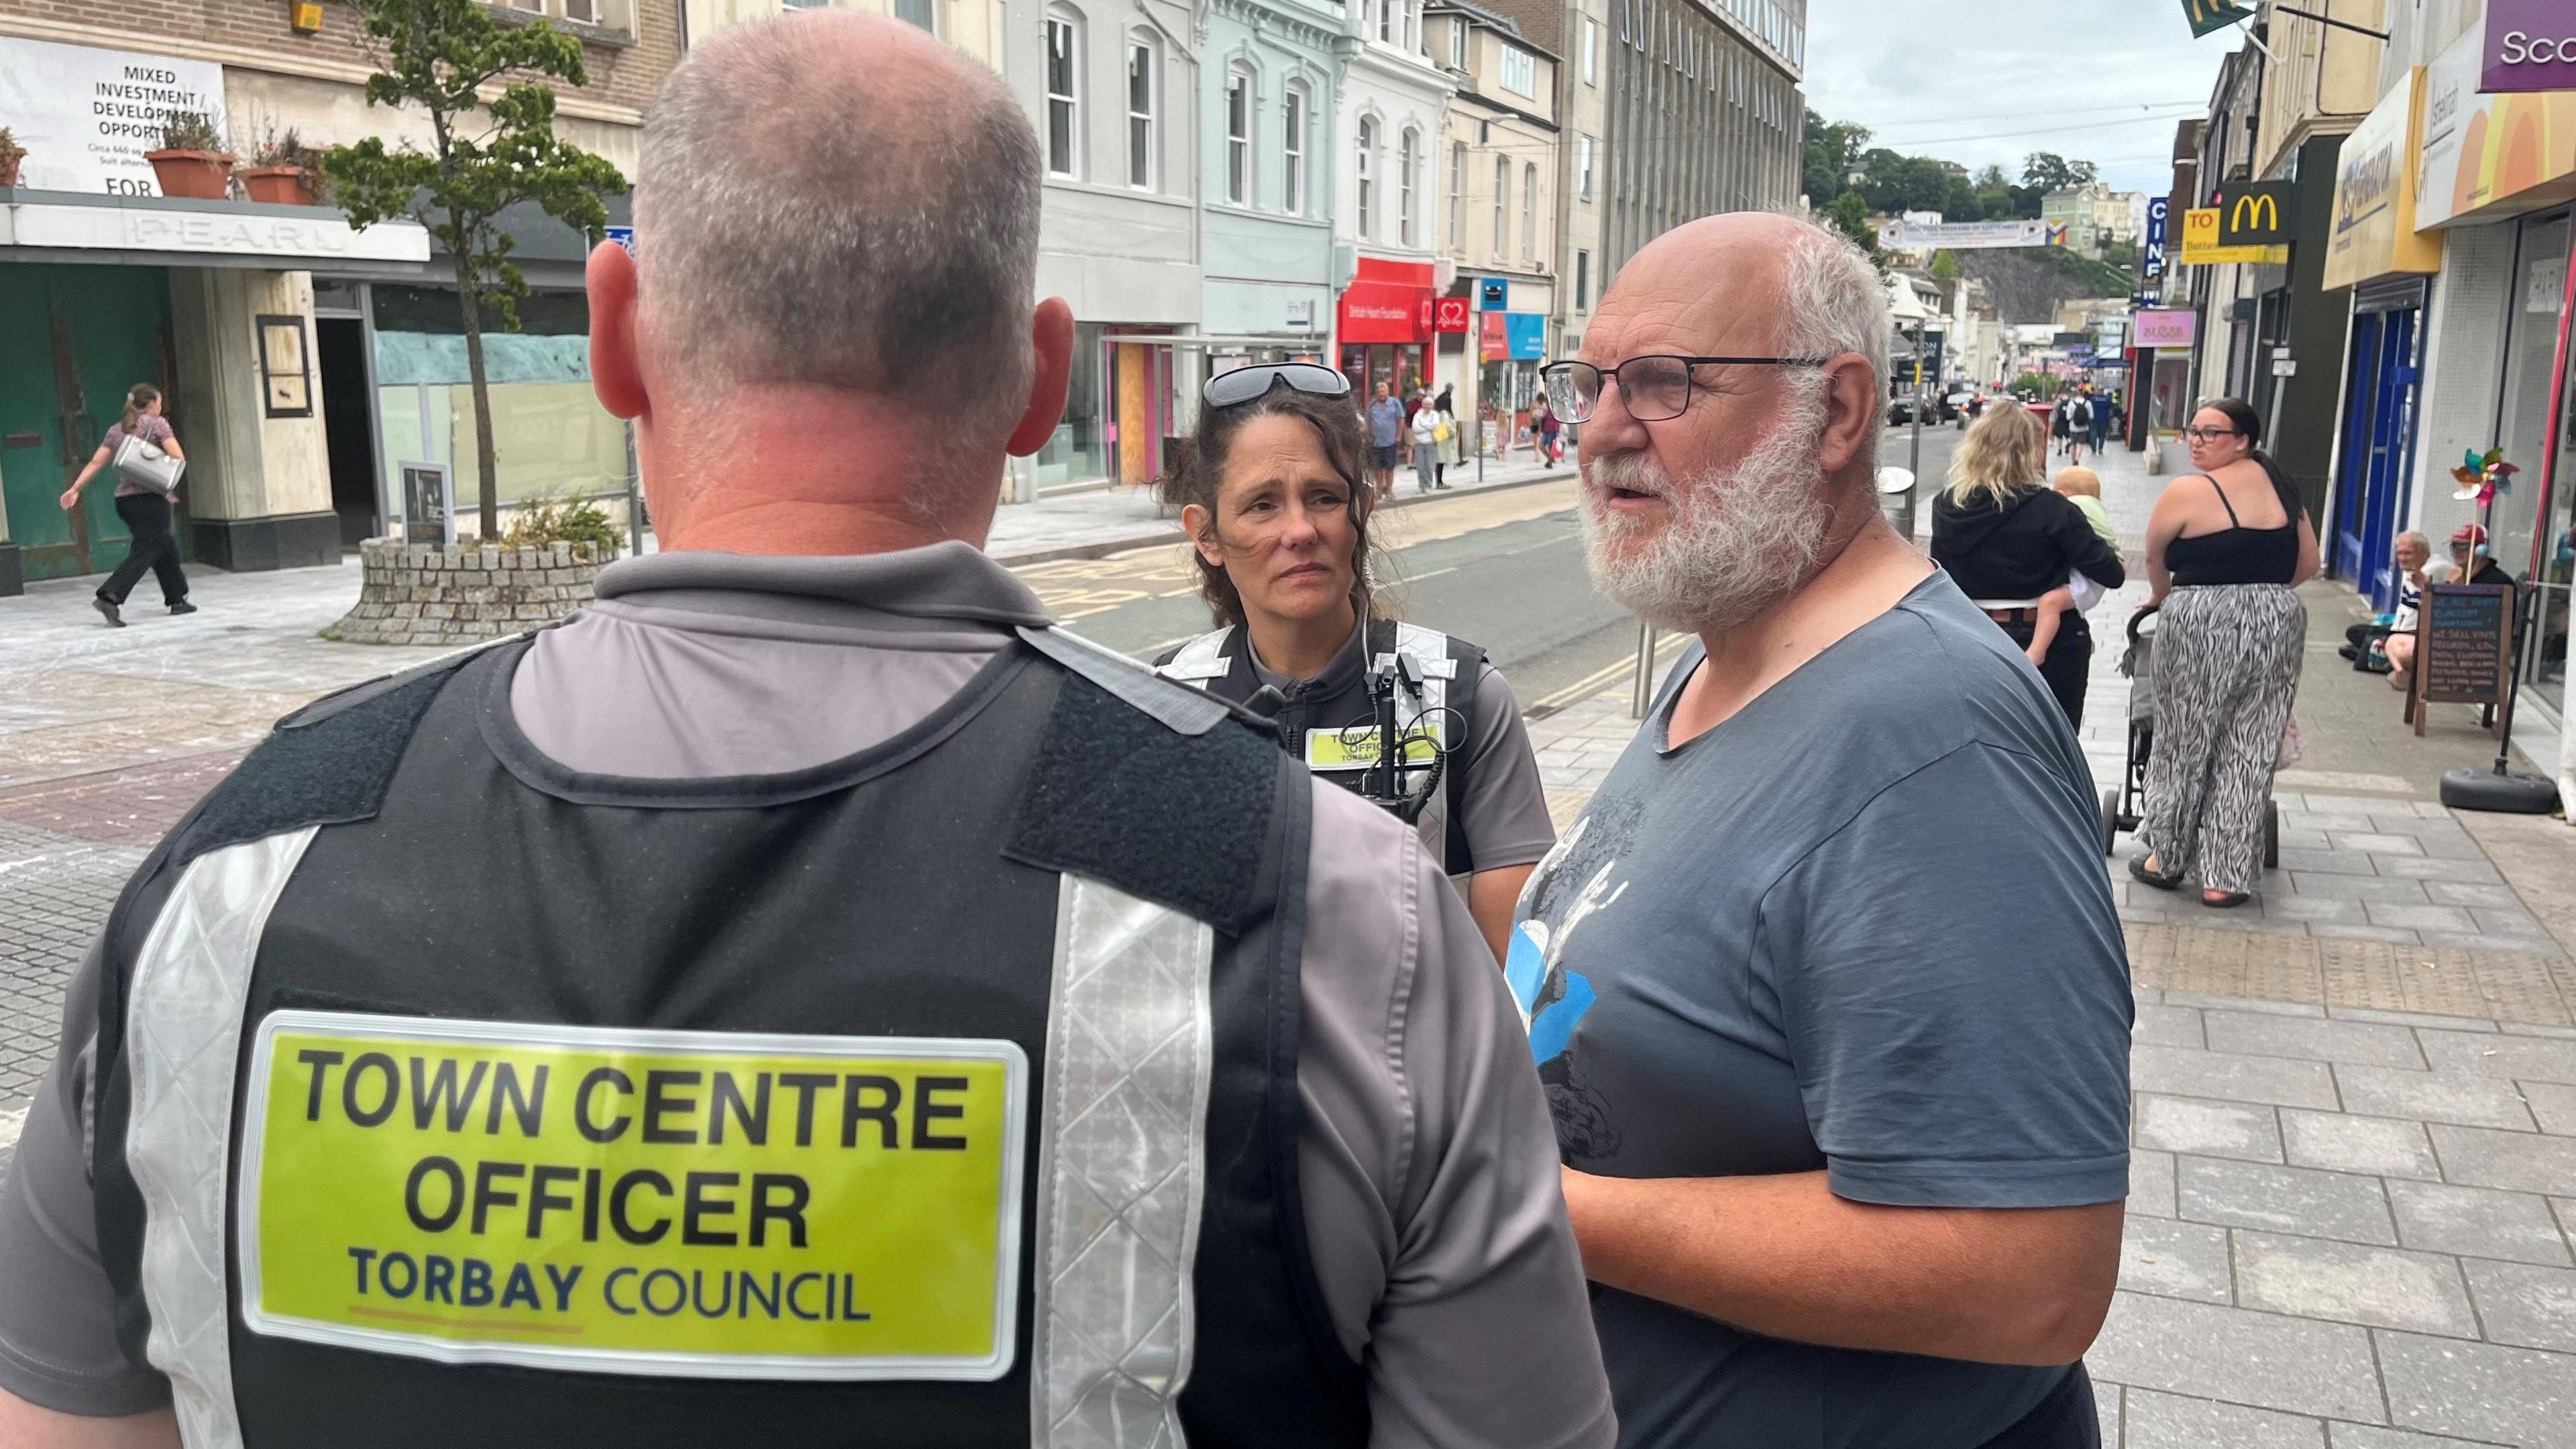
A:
(1505, 813)
(1427, 1160)
(58, 1344)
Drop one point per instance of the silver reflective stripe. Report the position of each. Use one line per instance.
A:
(1122, 1169)
(183, 1024)
(1201, 659)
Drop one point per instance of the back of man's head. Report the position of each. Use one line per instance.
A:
(838, 201)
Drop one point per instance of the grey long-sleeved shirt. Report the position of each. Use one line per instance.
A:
(1427, 1164)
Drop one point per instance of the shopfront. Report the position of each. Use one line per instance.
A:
(1510, 347)
(2374, 252)
(1383, 328)
(2503, 163)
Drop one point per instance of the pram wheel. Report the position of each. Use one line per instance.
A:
(2271, 835)
(2110, 822)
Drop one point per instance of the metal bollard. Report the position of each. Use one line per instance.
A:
(1642, 692)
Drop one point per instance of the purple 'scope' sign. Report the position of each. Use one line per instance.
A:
(2530, 46)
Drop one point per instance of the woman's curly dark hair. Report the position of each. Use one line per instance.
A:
(1201, 473)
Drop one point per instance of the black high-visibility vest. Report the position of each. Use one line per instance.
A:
(944, 1094)
(1337, 702)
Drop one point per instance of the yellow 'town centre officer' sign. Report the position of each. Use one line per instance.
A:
(660, 1202)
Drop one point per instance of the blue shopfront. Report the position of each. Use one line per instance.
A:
(2376, 462)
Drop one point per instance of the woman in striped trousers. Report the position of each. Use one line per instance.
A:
(2227, 548)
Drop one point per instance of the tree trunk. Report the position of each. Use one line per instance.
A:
(485, 455)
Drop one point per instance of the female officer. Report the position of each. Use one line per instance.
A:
(1272, 493)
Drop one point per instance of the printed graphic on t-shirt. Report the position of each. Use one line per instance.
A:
(1579, 877)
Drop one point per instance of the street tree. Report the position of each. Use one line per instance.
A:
(2046, 171)
(482, 86)
(1849, 214)
(1832, 152)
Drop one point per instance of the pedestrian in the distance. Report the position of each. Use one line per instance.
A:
(2227, 548)
(145, 509)
(1446, 406)
(2008, 540)
(2098, 419)
(1425, 429)
(2061, 416)
(2079, 426)
(1548, 429)
(1386, 440)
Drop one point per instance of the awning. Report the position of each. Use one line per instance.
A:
(155, 231)
(1385, 312)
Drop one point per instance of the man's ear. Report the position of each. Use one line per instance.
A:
(616, 368)
(1051, 339)
(1851, 411)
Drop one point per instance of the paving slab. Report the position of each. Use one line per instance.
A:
(2324, 1040)
(2520, 1161)
(2175, 1260)
(2172, 1421)
(2410, 1018)
(2284, 1200)
(2476, 1222)
(2160, 1025)
(2349, 1283)
(2235, 1076)
(2151, 1183)
(2427, 868)
(2262, 1360)
(2483, 1391)
(2538, 1059)
(2207, 1128)
(2524, 1304)
(2341, 1142)
(2368, 1436)
(2446, 1096)
(2553, 1106)
(2106, 1411)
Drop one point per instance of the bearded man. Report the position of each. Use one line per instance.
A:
(1825, 983)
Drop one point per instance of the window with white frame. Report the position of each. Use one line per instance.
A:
(1502, 204)
(1583, 157)
(1529, 212)
(1591, 51)
(1583, 281)
(923, 13)
(1404, 162)
(1292, 151)
(1387, 30)
(585, 12)
(1238, 135)
(1458, 196)
(1413, 26)
(1520, 72)
(1457, 45)
(1064, 93)
(1367, 213)
(1143, 136)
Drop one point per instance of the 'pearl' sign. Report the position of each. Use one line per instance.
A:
(2530, 46)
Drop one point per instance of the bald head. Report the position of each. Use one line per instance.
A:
(837, 200)
(1755, 283)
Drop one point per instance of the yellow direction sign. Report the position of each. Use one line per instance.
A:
(2200, 246)
(653, 1202)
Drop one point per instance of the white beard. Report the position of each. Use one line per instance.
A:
(1738, 539)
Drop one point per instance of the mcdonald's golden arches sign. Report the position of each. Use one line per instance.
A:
(2254, 214)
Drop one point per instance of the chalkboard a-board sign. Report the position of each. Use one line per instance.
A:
(2464, 648)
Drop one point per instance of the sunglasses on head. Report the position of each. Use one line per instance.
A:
(1233, 389)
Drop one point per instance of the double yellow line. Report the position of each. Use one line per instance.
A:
(1594, 682)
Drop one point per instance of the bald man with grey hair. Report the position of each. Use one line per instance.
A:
(816, 780)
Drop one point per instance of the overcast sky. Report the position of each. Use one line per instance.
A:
(2094, 79)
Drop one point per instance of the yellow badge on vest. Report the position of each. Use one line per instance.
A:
(702, 1204)
(1357, 749)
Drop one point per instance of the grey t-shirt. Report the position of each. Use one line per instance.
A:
(1425, 1167)
(1860, 927)
(1505, 811)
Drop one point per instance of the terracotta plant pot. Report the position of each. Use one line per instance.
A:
(278, 185)
(9, 169)
(195, 175)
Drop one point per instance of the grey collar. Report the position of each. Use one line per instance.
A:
(945, 582)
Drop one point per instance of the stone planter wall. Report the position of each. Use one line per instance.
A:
(416, 595)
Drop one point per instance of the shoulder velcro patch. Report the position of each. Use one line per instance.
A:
(326, 766)
(1177, 819)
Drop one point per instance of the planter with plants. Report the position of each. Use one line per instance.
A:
(11, 153)
(539, 572)
(284, 171)
(192, 161)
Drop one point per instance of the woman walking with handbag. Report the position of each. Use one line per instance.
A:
(147, 460)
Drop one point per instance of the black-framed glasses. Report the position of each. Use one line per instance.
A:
(1232, 389)
(1656, 387)
(2210, 435)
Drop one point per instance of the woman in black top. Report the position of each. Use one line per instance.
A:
(2007, 539)
(2227, 548)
